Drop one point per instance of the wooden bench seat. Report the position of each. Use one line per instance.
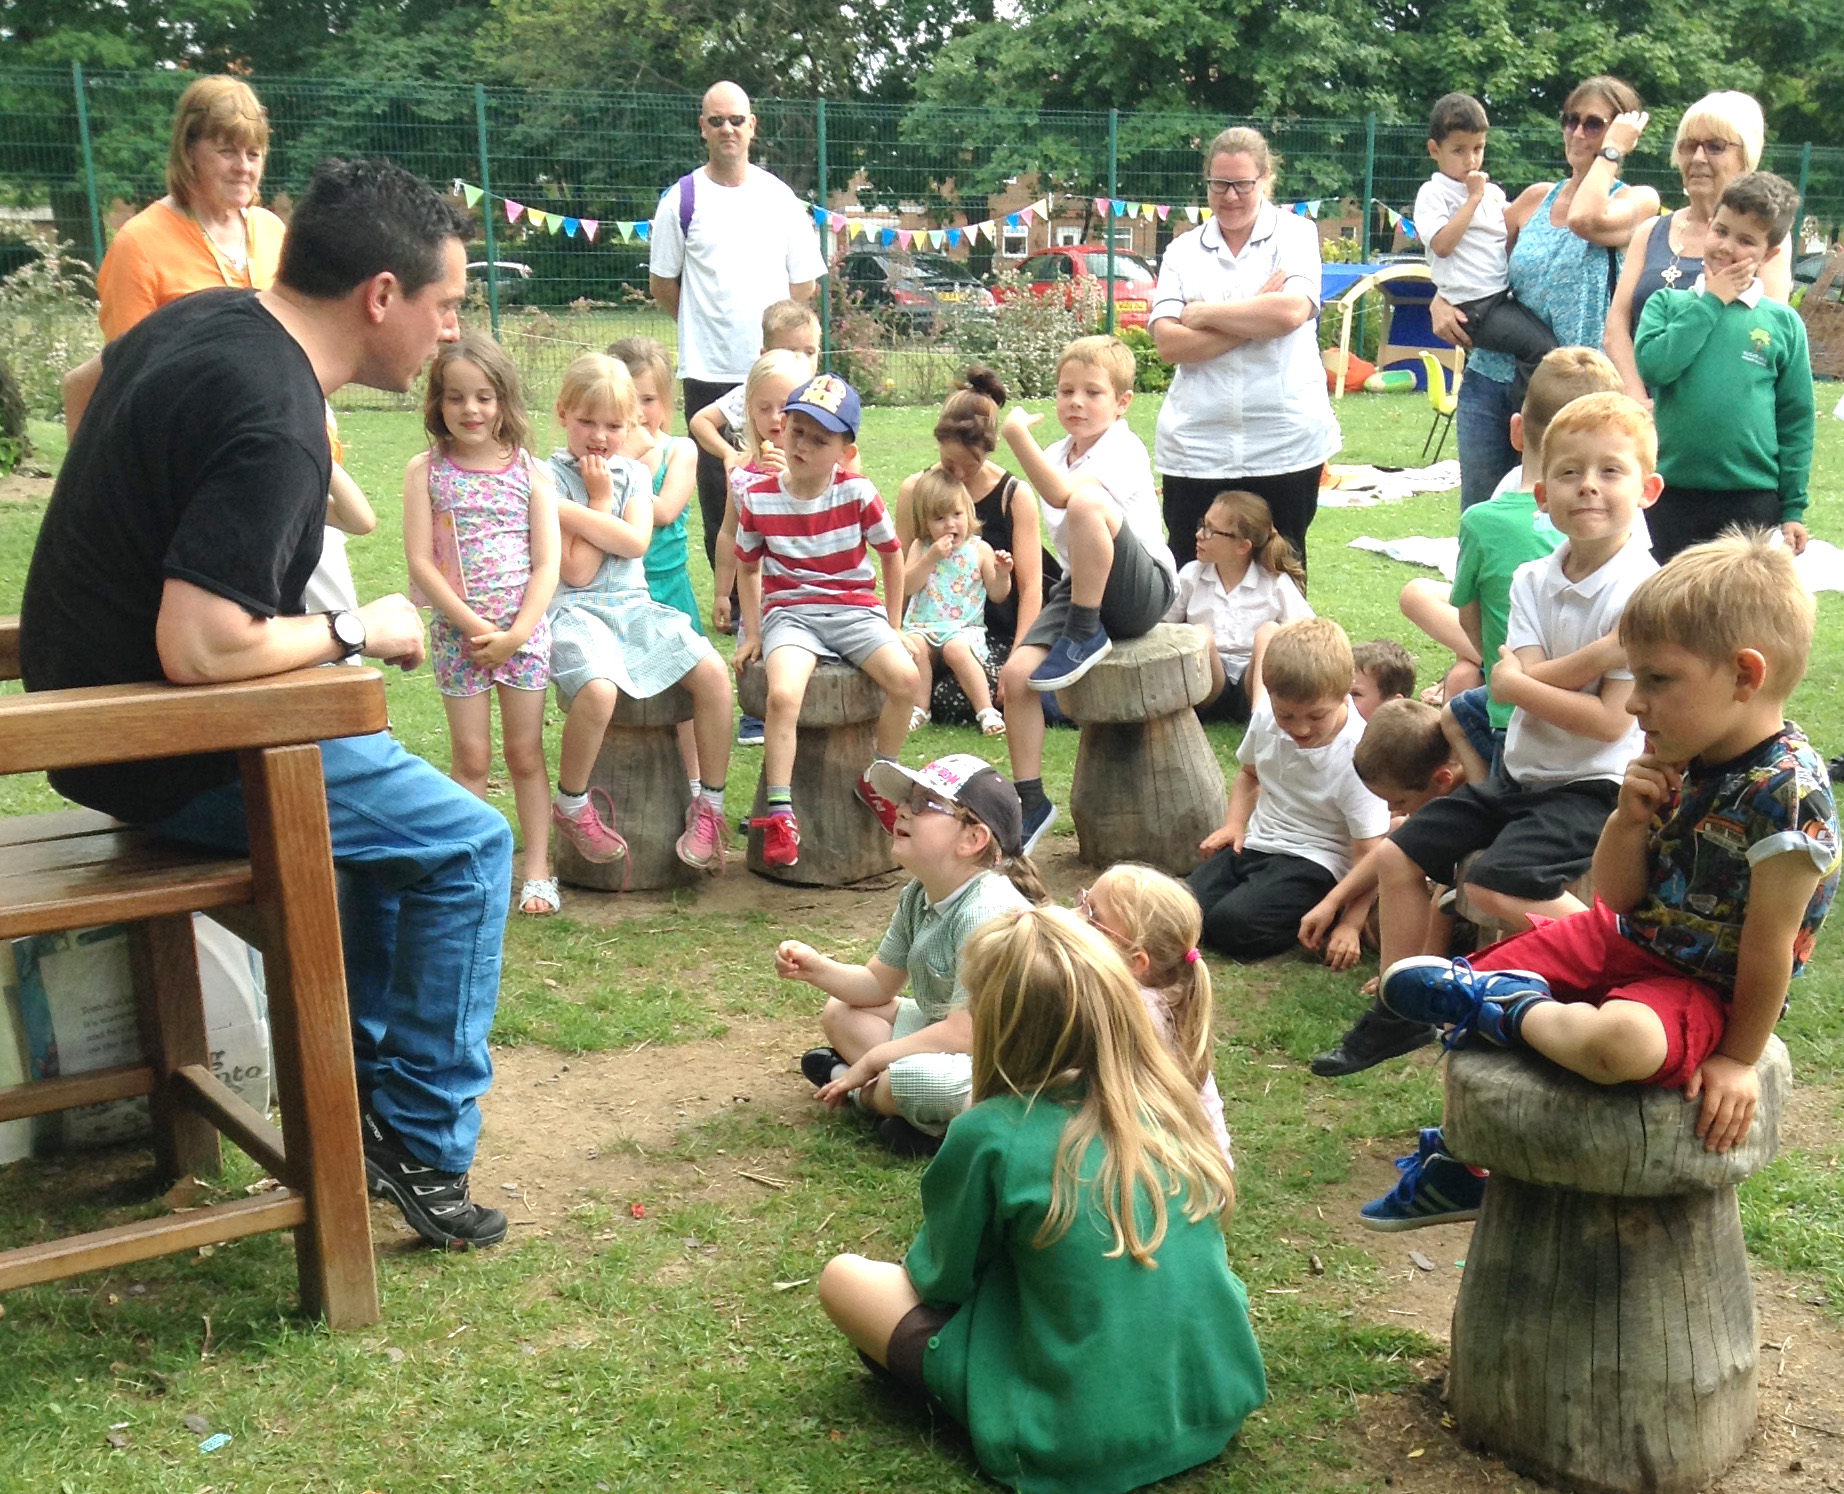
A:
(78, 869)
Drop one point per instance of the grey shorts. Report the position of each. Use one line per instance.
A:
(1138, 592)
(849, 633)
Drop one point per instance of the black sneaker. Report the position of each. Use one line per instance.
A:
(821, 1065)
(1374, 1037)
(906, 1140)
(435, 1203)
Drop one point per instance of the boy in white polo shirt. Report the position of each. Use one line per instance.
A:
(1460, 214)
(1101, 515)
(1537, 818)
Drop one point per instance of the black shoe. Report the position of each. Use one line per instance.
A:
(905, 1140)
(1836, 768)
(820, 1065)
(1374, 1037)
(435, 1203)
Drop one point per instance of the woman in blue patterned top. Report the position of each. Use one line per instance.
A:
(1564, 266)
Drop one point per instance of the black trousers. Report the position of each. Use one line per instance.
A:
(1292, 499)
(1253, 901)
(712, 485)
(1683, 517)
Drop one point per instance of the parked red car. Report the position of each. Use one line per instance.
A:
(1058, 270)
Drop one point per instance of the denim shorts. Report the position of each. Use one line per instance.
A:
(1470, 711)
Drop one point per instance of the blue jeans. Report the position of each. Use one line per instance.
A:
(1482, 432)
(425, 879)
(1471, 712)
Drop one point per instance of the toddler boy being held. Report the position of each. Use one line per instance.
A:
(1712, 875)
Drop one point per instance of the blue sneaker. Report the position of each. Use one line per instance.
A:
(1069, 661)
(1492, 1003)
(1036, 822)
(1434, 1189)
(749, 732)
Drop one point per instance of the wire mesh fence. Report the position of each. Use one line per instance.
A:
(992, 189)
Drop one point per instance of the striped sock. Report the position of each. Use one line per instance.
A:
(780, 798)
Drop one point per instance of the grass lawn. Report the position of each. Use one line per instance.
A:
(651, 1324)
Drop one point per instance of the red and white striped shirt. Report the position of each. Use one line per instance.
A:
(814, 551)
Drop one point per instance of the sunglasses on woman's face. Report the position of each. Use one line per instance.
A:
(1713, 150)
(1591, 125)
(718, 121)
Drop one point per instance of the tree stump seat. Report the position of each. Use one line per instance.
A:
(836, 738)
(640, 769)
(1147, 785)
(1604, 1336)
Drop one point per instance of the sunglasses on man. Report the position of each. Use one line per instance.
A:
(718, 121)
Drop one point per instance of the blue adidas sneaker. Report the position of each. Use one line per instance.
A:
(1069, 660)
(1434, 1189)
(1450, 993)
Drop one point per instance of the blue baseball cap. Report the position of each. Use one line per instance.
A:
(831, 401)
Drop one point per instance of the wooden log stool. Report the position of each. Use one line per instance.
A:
(1604, 1337)
(640, 769)
(1147, 785)
(836, 738)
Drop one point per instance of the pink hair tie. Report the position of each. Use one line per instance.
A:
(1192, 957)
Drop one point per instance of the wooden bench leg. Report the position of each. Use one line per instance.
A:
(164, 956)
(291, 862)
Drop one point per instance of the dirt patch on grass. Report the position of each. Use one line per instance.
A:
(24, 487)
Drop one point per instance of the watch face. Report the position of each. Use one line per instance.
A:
(348, 630)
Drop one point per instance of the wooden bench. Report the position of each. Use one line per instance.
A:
(840, 840)
(1604, 1336)
(640, 769)
(1147, 785)
(77, 869)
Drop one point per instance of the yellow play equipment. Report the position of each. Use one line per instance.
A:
(1405, 289)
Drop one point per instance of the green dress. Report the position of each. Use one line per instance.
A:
(1075, 1373)
(668, 581)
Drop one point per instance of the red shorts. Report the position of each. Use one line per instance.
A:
(1585, 957)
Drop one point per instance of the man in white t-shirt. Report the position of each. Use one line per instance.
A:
(727, 239)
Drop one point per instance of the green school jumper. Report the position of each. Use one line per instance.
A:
(1734, 394)
(1075, 1374)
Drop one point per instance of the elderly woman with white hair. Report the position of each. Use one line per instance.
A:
(1719, 138)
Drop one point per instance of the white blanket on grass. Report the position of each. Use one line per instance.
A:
(1821, 567)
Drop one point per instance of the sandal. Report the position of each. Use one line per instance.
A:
(918, 718)
(992, 722)
(540, 890)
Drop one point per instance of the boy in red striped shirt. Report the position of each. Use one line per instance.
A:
(808, 592)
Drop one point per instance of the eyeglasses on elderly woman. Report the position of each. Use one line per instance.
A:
(1713, 149)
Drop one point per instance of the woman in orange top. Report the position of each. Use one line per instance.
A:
(207, 231)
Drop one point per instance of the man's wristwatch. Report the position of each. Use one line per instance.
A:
(348, 633)
(1608, 153)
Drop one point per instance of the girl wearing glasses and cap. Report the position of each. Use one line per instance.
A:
(1563, 268)
(1719, 138)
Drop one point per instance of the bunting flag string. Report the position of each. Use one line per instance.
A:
(1398, 220)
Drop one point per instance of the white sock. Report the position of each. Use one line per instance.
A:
(696, 788)
(716, 799)
(572, 804)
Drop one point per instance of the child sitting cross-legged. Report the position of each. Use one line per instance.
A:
(1535, 820)
(805, 582)
(1298, 815)
(1099, 509)
(1068, 1299)
(1711, 876)
(1245, 582)
(1405, 759)
(905, 1057)
(949, 575)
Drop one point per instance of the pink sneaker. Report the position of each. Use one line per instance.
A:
(702, 845)
(595, 839)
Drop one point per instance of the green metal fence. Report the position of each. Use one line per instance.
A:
(78, 151)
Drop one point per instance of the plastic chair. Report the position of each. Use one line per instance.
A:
(1444, 401)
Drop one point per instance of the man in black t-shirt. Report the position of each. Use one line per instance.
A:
(180, 534)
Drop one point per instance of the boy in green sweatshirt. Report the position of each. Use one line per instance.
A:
(1732, 382)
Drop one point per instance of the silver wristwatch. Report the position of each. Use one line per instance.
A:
(348, 633)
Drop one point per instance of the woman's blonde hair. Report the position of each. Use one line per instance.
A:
(937, 493)
(1240, 140)
(514, 427)
(215, 108)
(596, 384)
(1248, 517)
(1161, 919)
(646, 355)
(1057, 1016)
(775, 363)
(1728, 115)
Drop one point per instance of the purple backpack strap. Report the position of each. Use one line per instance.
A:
(688, 200)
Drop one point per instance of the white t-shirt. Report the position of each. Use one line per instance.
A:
(1231, 617)
(1260, 409)
(1551, 612)
(1117, 461)
(1312, 802)
(747, 245)
(1479, 264)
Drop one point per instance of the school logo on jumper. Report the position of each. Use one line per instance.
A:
(1761, 338)
(827, 392)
